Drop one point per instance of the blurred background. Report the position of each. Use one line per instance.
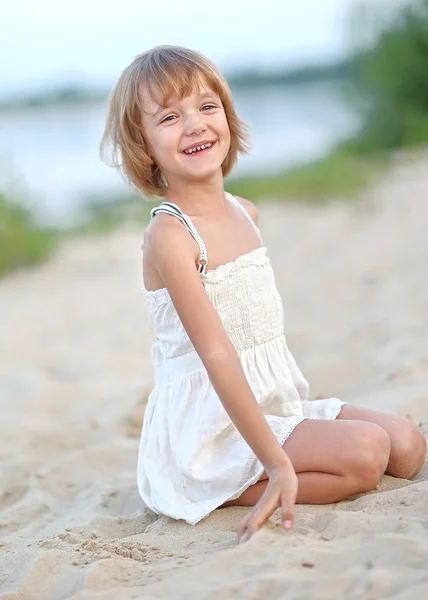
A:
(324, 86)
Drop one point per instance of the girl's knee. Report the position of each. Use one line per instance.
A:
(371, 456)
(409, 451)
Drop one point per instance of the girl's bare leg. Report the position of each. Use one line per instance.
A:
(408, 444)
(333, 460)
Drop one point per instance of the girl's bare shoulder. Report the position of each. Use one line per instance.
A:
(250, 207)
(160, 234)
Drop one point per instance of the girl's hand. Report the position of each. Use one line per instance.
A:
(320, 397)
(281, 491)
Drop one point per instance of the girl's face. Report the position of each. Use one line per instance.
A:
(196, 120)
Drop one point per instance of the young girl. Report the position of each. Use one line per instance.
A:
(229, 421)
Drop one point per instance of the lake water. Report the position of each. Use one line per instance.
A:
(52, 153)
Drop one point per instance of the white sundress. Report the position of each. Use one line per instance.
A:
(191, 456)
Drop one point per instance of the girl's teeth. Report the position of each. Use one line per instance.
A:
(198, 148)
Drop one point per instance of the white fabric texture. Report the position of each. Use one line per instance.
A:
(191, 456)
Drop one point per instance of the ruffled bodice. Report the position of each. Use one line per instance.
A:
(244, 294)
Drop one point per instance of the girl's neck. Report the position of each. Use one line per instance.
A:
(199, 198)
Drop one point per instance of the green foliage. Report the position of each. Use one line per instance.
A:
(391, 79)
(340, 174)
(22, 242)
(101, 213)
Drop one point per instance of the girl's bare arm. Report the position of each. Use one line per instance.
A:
(173, 253)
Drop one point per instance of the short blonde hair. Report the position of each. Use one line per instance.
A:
(166, 71)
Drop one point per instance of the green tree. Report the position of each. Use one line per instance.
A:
(391, 76)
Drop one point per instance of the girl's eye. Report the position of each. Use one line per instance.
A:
(207, 106)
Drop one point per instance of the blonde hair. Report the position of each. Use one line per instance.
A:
(165, 71)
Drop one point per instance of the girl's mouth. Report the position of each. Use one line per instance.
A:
(199, 150)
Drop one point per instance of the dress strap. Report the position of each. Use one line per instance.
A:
(173, 209)
(244, 210)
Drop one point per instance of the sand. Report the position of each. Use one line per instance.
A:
(75, 372)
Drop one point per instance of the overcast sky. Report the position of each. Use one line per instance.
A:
(46, 42)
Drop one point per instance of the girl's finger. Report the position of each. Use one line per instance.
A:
(254, 524)
(244, 538)
(286, 515)
(249, 524)
(243, 525)
(261, 513)
(253, 517)
(288, 500)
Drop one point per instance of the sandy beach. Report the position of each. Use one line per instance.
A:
(75, 371)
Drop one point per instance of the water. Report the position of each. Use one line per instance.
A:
(53, 151)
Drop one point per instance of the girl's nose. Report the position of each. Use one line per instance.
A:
(194, 124)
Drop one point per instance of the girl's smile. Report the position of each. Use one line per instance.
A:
(195, 128)
(200, 149)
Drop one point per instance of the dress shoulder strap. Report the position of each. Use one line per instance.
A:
(244, 210)
(172, 209)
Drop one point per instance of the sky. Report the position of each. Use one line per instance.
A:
(45, 43)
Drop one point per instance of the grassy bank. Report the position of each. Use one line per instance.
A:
(340, 174)
(22, 242)
(102, 213)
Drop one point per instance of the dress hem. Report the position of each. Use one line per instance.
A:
(256, 476)
(249, 483)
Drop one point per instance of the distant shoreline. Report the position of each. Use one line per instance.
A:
(249, 78)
